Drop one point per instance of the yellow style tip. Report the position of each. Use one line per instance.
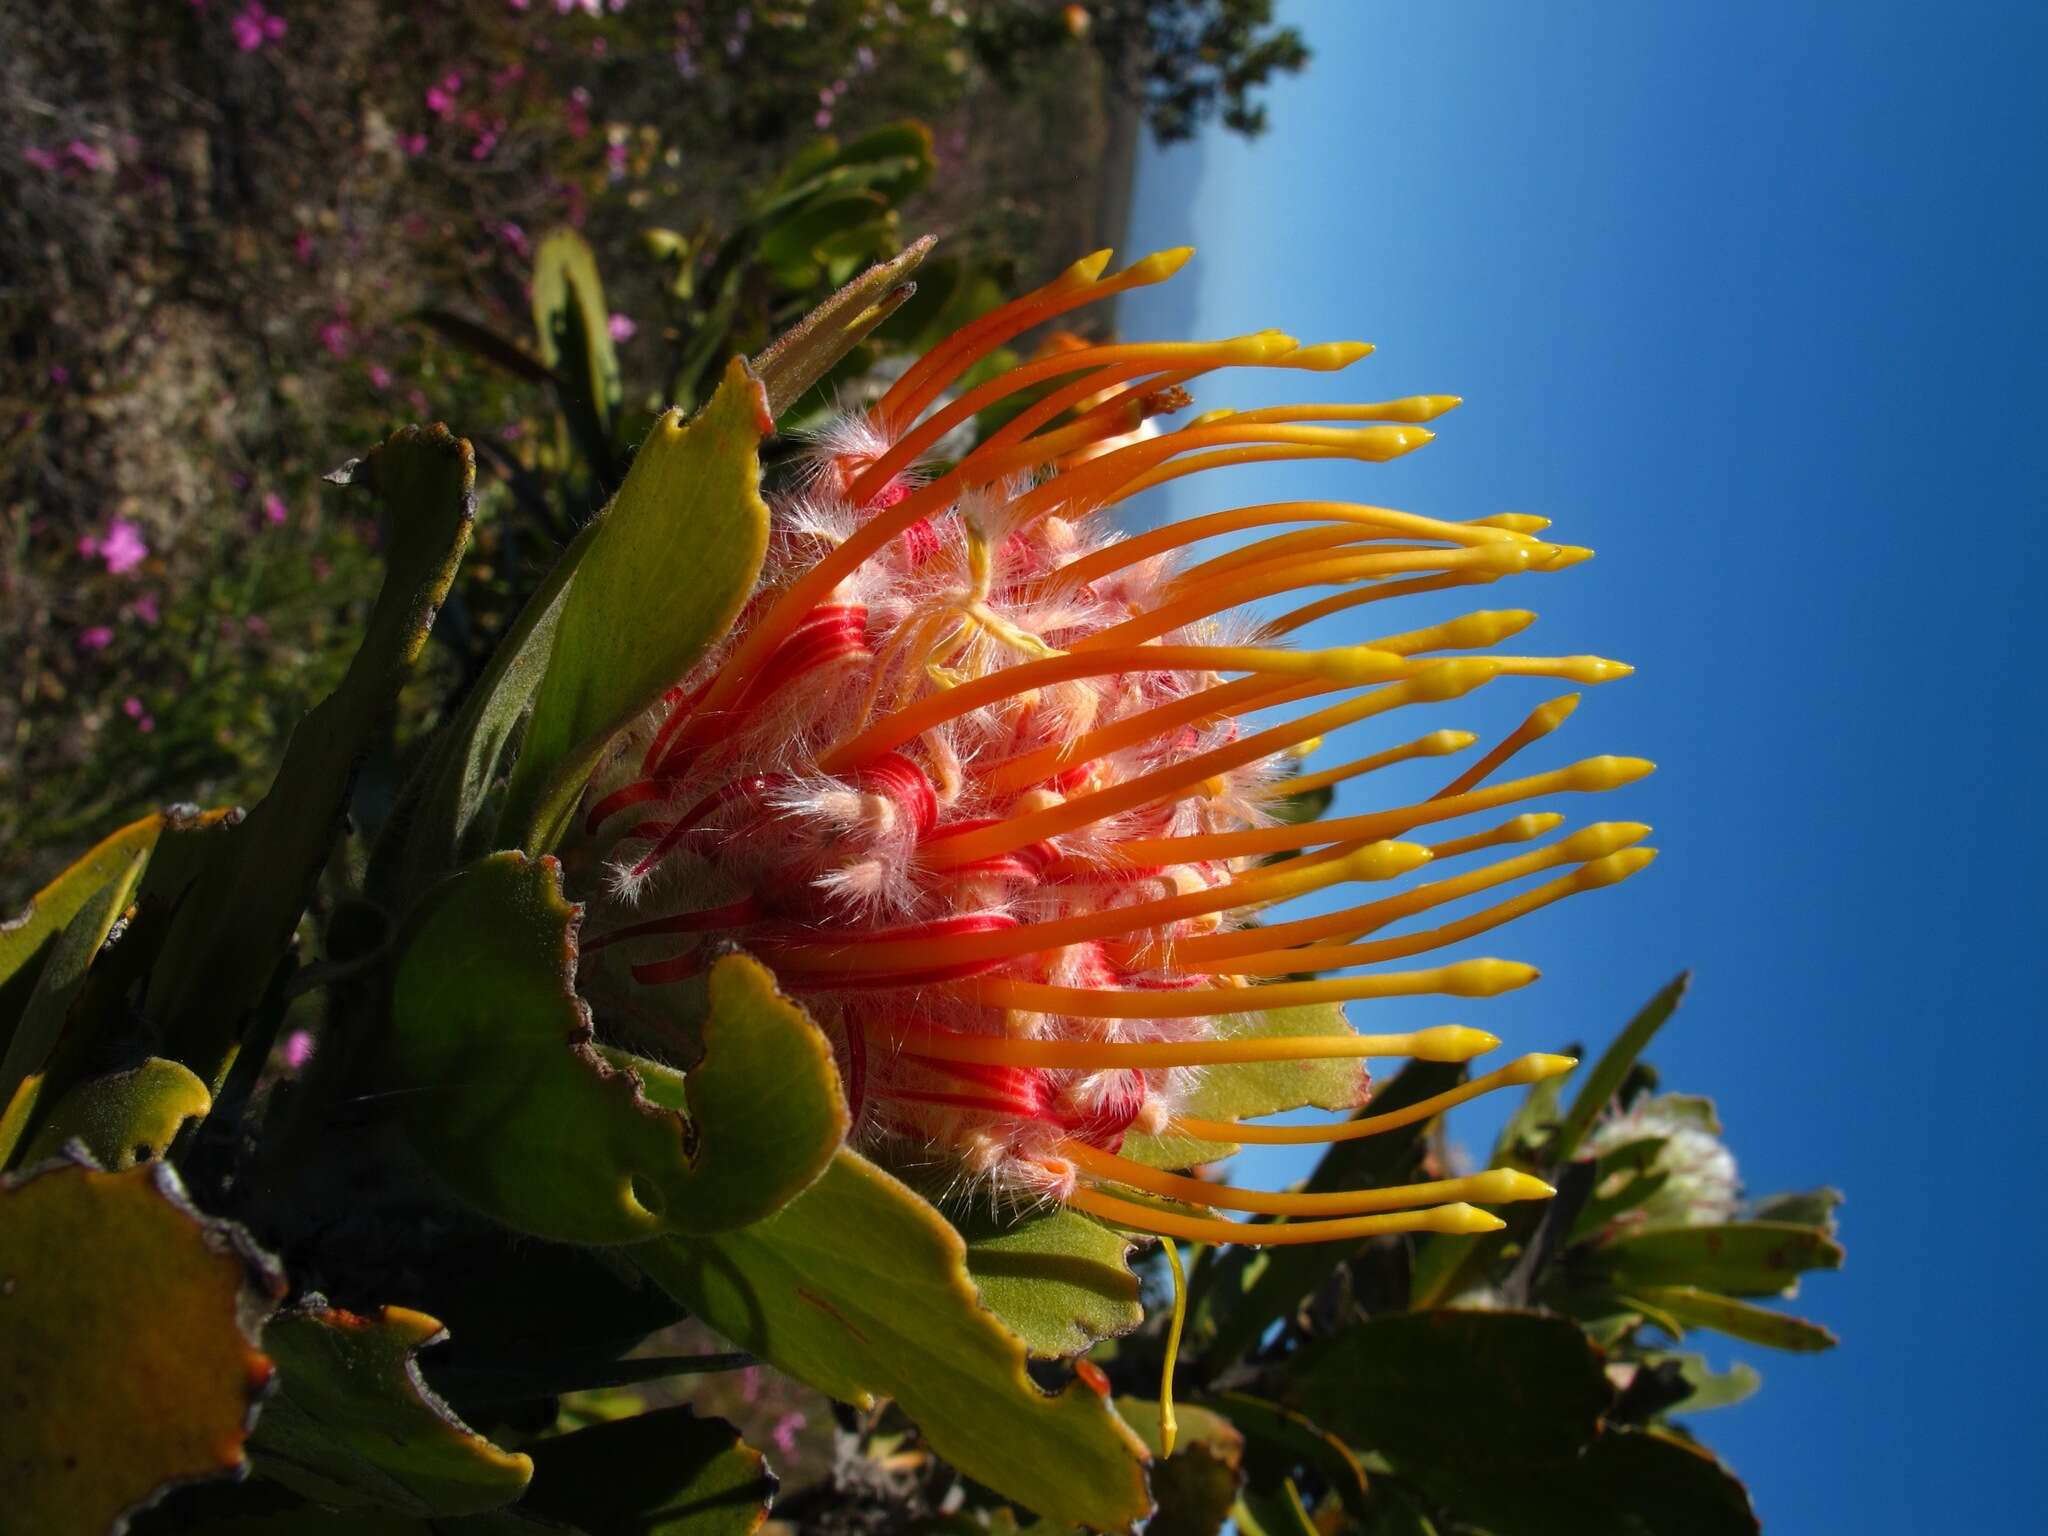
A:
(1444, 743)
(1504, 1186)
(1386, 861)
(1486, 978)
(1451, 679)
(1546, 718)
(1451, 1042)
(1603, 838)
(1362, 664)
(1530, 825)
(1160, 265)
(1565, 556)
(1536, 1067)
(1327, 356)
(1597, 773)
(1088, 268)
(1616, 867)
(1592, 669)
(1463, 1220)
(1513, 522)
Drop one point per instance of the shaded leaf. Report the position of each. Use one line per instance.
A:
(123, 1118)
(1058, 1280)
(1279, 1512)
(114, 1278)
(665, 1473)
(1691, 1307)
(487, 344)
(672, 561)
(1195, 1487)
(574, 327)
(540, 1129)
(861, 1289)
(354, 1425)
(244, 906)
(1738, 1258)
(1282, 1433)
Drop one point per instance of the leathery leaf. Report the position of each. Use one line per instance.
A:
(127, 1324)
(27, 938)
(354, 1426)
(861, 1289)
(1059, 1280)
(243, 907)
(526, 1117)
(665, 574)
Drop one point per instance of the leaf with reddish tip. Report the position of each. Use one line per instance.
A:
(861, 1289)
(127, 1323)
(354, 1426)
(1246, 1090)
(671, 564)
(524, 1116)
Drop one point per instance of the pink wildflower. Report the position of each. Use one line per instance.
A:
(979, 779)
(621, 327)
(59, 375)
(97, 638)
(121, 547)
(515, 237)
(85, 155)
(412, 145)
(297, 1050)
(380, 376)
(443, 96)
(274, 509)
(256, 627)
(337, 337)
(146, 609)
(42, 159)
(254, 27)
(785, 1431)
(132, 707)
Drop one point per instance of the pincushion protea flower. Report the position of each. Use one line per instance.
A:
(979, 778)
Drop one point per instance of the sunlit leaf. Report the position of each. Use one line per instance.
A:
(861, 1289)
(665, 574)
(1691, 1307)
(1737, 1258)
(1058, 1280)
(125, 1117)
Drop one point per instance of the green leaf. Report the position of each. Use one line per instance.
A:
(1289, 1274)
(1711, 1388)
(1246, 1090)
(1691, 1307)
(447, 823)
(27, 1065)
(1442, 1392)
(1496, 1417)
(481, 341)
(574, 327)
(1285, 1434)
(243, 908)
(353, 1425)
(125, 1327)
(806, 353)
(665, 1473)
(1058, 1280)
(668, 570)
(1195, 1486)
(1739, 1258)
(27, 939)
(1276, 1513)
(523, 1115)
(1611, 1070)
(1808, 1208)
(861, 1289)
(123, 1118)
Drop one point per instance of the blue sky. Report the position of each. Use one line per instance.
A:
(1744, 296)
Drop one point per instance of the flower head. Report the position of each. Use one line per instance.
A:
(996, 789)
